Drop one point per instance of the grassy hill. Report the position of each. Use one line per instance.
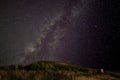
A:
(48, 70)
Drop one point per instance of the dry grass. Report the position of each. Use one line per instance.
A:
(85, 78)
(54, 71)
(98, 77)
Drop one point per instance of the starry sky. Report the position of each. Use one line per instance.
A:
(80, 32)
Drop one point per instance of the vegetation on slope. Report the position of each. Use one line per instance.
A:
(46, 70)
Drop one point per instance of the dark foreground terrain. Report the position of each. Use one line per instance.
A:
(46, 70)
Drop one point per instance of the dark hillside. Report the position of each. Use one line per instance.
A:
(48, 70)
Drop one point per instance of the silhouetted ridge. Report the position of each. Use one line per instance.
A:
(49, 65)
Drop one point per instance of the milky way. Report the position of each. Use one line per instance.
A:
(52, 34)
(73, 31)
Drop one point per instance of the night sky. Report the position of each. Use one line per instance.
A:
(80, 32)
